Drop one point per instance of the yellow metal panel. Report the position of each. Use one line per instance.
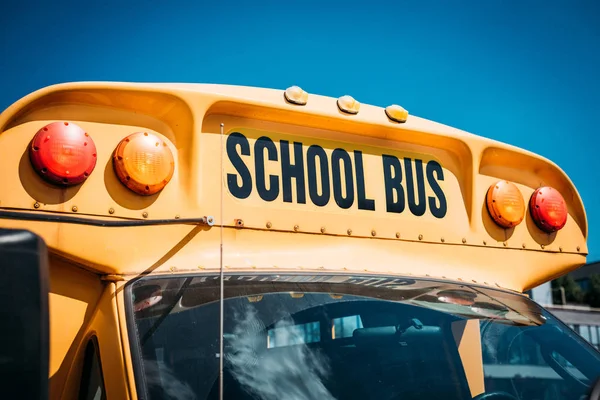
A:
(468, 340)
(104, 326)
(173, 249)
(128, 362)
(189, 118)
(73, 297)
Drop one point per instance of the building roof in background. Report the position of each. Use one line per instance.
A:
(586, 271)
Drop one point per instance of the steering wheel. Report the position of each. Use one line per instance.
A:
(495, 396)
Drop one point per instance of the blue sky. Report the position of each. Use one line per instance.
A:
(522, 72)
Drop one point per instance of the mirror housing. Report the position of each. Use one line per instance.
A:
(24, 281)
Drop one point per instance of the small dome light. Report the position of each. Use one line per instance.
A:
(296, 95)
(144, 163)
(396, 113)
(548, 209)
(505, 204)
(348, 105)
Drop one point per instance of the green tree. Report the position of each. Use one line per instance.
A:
(573, 292)
(592, 295)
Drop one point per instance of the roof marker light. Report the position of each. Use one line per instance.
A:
(548, 209)
(143, 163)
(505, 204)
(296, 95)
(396, 113)
(63, 154)
(348, 105)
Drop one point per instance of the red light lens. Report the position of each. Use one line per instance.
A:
(548, 209)
(63, 153)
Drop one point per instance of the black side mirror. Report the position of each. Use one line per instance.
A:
(24, 354)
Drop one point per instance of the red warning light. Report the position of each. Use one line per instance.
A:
(63, 154)
(548, 209)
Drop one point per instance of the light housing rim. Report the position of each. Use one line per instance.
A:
(497, 189)
(539, 215)
(124, 174)
(47, 168)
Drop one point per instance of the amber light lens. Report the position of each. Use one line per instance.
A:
(548, 209)
(62, 153)
(144, 163)
(505, 204)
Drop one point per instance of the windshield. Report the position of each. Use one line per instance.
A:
(350, 337)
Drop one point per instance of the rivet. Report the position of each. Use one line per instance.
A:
(74, 208)
(269, 225)
(177, 216)
(36, 205)
(542, 246)
(560, 249)
(349, 231)
(322, 229)
(464, 240)
(578, 248)
(111, 210)
(145, 214)
(420, 237)
(239, 223)
(173, 269)
(484, 243)
(296, 227)
(524, 245)
(373, 233)
(398, 235)
(443, 240)
(505, 244)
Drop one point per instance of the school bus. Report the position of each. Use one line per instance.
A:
(198, 241)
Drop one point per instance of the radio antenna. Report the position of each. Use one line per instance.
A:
(221, 296)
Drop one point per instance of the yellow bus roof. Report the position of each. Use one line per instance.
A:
(438, 227)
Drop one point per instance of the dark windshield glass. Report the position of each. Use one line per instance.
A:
(348, 337)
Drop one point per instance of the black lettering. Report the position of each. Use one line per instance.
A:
(312, 154)
(261, 144)
(392, 175)
(363, 202)
(289, 171)
(437, 211)
(419, 208)
(240, 191)
(337, 156)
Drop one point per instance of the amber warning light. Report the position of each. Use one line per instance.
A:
(505, 204)
(63, 154)
(144, 163)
